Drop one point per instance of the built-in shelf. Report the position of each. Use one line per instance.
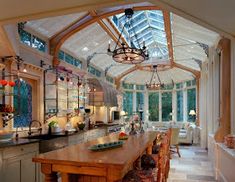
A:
(58, 97)
(8, 91)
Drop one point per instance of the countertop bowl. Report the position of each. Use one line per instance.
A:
(6, 135)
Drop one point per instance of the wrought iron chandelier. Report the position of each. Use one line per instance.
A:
(153, 84)
(128, 54)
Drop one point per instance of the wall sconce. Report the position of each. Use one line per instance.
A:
(24, 69)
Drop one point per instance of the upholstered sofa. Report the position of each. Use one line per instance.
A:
(186, 135)
(187, 130)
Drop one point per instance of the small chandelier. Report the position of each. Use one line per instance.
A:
(153, 85)
(126, 54)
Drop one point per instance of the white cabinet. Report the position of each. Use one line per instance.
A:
(16, 163)
(11, 170)
(28, 167)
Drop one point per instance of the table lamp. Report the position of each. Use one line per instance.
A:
(193, 114)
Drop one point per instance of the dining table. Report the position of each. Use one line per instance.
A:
(80, 163)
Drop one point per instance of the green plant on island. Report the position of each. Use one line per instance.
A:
(53, 123)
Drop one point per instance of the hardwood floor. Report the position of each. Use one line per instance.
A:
(193, 166)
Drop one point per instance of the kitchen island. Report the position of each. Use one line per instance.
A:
(78, 163)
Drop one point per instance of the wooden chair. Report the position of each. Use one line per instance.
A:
(174, 141)
(163, 157)
(143, 172)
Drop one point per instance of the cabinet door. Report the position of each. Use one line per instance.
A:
(28, 168)
(11, 170)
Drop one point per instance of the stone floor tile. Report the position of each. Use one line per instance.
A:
(193, 166)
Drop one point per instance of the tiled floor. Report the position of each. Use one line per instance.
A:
(193, 166)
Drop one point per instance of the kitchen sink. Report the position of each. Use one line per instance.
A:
(45, 136)
(50, 142)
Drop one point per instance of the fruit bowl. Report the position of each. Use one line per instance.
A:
(122, 136)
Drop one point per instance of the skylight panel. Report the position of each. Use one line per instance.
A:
(149, 28)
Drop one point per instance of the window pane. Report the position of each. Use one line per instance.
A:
(154, 106)
(61, 55)
(97, 73)
(109, 79)
(189, 83)
(139, 101)
(25, 37)
(191, 98)
(168, 87)
(38, 44)
(127, 86)
(179, 85)
(139, 87)
(128, 103)
(180, 105)
(91, 70)
(69, 59)
(77, 63)
(194, 82)
(166, 106)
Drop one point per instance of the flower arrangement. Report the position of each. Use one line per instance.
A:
(136, 117)
(81, 125)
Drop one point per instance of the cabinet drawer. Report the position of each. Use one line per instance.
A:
(19, 150)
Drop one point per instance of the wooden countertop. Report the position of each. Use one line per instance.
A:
(81, 155)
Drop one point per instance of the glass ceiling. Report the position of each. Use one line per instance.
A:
(149, 27)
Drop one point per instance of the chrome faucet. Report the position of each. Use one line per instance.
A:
(39, 129)
(16, 132)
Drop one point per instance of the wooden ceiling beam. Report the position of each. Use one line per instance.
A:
(116, 30)
(141, 67)
(57, 40)
(167, 24)
(194, 72)
(105, 27)
(132, 69)
(118, 79)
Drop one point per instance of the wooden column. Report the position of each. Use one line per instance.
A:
(225, 90)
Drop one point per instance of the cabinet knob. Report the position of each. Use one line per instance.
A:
(22, 149)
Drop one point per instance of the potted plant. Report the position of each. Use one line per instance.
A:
(53, 127)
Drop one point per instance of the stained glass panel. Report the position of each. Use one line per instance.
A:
(23, 105)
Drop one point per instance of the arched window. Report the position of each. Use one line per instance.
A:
(23, 104)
